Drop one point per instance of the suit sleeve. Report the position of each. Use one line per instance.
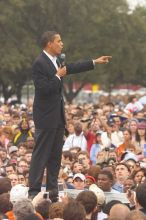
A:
(79, 67)
(45, 84)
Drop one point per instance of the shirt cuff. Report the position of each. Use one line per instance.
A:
(93, 62)
(58, 77)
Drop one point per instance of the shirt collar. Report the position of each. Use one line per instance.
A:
(50, 56)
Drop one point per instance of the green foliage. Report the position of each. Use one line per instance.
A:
(89, 28)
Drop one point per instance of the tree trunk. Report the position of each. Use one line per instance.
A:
(69, 93)
(7, 93)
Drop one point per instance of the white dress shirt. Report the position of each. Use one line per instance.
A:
(53, 59)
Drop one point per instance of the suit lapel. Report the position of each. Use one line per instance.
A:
(48, 60)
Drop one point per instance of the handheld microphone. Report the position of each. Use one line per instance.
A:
(62, 59)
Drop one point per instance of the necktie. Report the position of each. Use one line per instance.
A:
(58, 62)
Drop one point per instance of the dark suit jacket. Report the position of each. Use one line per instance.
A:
(48, 107)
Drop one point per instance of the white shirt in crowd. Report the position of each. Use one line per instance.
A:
(116, 139)
(75, 141)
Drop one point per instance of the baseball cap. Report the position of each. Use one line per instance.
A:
(129, 156)
(79, 175)
(99, 193)
(12, 149)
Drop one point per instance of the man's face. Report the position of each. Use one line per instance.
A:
(9, 170)
(128, 184)
(77, 168)
(3, 155)
(14, 179)
(55, 47)
(121, 172)
(78, 183)
(22, 151)
(104, 182)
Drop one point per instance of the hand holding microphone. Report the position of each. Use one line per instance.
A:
(62, 68)
(61, 71)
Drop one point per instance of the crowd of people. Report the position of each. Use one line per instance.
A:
(103, 164)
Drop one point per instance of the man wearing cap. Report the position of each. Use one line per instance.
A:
(13, 149)
(79, 181)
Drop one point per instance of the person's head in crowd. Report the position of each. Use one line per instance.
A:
(70, 128)
(32, 129)
(13, 152)
(105, 180)
(14, 179)
(84, 159)
(110, 168)
(69, 179)
(75, 119)
(94, 171)
(143, 180)
(112, 154)
(5, 204)
(22, 179)
(43, 207)
(131, 163)
(141, 197)
(74, 210)
(122, 172)
(98, 139)
(109, 205)
(79, 181)
(100, 196)
(7, 117)
(16, 129)
(137, 175)
(89, 181)
(30, 142)
(77, 128)
(101, 157)
(33, 216)
(22, 208)
(135, 215)
(22, 148)
(16, 118)
(141, 132)
(24, 125)
(8, 132)
(26, 174)
(119, 212)
(89, 200)
(5, 185)
(117, 121)
(63, 174)
(28, 155)
(111, 161)
(66, 157)
(56, 210)
(132, 148)
(22, 166)
(10, 168)
(139, 115)
(128, 184)
(4, 156)
(127, 135)
(133, 123)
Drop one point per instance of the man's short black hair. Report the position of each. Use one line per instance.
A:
(47, 36)
(107, 173)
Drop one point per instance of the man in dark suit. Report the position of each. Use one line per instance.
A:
(48, 111)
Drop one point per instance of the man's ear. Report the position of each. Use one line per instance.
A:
(49, 44)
